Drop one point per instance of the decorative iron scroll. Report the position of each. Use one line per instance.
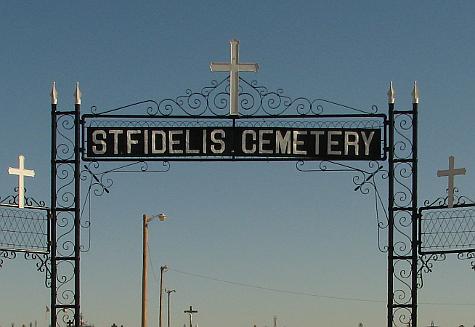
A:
(366, 180)
(5, 254)
(254, 99)
(468, 256)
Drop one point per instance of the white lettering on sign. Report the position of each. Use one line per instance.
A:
(367, 141)
(312, 143)
(283, 144)
(217, 141)
(331, 142)
(353, 143)
(317, 140)
(244, 141)
(99, 142)
(116, 133)
(297, 142)
(131, 141)
(264, 141)
(162, 145)
(174, 141)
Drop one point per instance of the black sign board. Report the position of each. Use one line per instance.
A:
(233, 142)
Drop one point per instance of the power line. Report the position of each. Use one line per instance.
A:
(275, 290)
(316, 295)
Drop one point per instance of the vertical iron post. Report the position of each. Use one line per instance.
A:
(77, 207)
(54, 271)
(414, 241)
(391, 100)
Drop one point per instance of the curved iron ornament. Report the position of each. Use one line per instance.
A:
(6, 255)
(365, 180)
(31, 202)
(426, 265)
(213, 100)
(468, 256)
(99, 182)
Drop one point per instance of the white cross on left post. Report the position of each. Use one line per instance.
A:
(22, 173)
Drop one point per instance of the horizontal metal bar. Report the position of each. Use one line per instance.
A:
(64, 113)
(404, 160)
(403, 111)
(65, 209)
(65, 258)
(448, 251)
(464, 205)
(65, 306)
(402, 257)
(26, 207)
(141, 159)
(402, 306)
(18, 250)
(149, 117)
(402, 208)
(63, 161)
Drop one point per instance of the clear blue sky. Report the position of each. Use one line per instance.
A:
(258, 223)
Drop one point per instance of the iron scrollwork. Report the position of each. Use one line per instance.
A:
(468, 256)
(6, 254)
(365, 180)
(213, 100)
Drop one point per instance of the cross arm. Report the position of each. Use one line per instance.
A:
(248, 67)
(219, 67)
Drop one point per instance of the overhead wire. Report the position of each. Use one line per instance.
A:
(301, 293)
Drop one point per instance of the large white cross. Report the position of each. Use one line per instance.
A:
(234, 67)
(451, 173)
(21, 172)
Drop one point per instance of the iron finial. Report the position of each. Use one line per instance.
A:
(54, 94)
(415, 93)
(391, 94)
(77, 94)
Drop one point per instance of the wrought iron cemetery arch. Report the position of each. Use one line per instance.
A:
(260, 108)
(73, 161)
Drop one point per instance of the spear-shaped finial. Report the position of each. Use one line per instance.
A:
(391, 93)
(77, 94)
(415, 93)
(54, 94)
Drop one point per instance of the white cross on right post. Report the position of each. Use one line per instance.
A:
(451, 173)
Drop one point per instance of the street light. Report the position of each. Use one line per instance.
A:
(162, 269)
(168, 305)
(146, 220)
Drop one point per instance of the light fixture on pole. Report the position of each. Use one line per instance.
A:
(146, 220)
(168, 305)
(162, 270)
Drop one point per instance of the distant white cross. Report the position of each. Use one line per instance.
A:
(234, 67)
(190, 313)
(451, 173)
(21, 172)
